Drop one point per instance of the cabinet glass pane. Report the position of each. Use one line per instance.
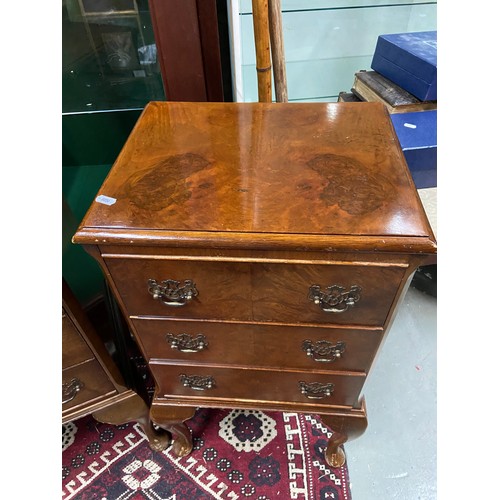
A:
(108, 56)
(326, 42)
(301, 5)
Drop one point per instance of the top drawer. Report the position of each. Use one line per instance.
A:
(359, 294)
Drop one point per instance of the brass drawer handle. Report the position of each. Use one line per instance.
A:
(187, 343)
(323, 351)
(197, 382)
(315, 390)
(171, 292)
(70, 389)
(336, 299)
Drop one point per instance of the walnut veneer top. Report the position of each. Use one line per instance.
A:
(244, 173)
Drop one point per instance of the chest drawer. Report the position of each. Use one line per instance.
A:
(275, 346)
(223, 290)
(252, 291)
(74, 349)
(233, 385)
(94, 385)
(330, 294)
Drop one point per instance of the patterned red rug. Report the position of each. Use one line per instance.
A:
(237, 454)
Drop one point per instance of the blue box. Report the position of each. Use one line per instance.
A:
(410, 61)
(417, 134)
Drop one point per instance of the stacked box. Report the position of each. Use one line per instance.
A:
(410, 61)
(417, 134)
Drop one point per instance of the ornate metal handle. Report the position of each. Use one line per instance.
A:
(323, 351)
(70, 389)
(336, 299)
(186, 343)
(315, 390)
(171, 292)
(197, 382)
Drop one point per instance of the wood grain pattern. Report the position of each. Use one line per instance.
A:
(264, 346)
(219, 167)
(257, 292)
(280, 293)
(96, 385)
(255, 385)
(75, 349)
(158, 188)
(355, 192)
(423, 247)
(224, 288)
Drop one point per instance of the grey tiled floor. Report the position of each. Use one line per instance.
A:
(396, 457)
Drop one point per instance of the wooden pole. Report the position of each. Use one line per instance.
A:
(277, 50)
(262, 50)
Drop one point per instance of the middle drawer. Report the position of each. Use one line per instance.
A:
(239, 344)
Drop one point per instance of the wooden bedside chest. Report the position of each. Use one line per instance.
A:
(258, 252)
(92, 382)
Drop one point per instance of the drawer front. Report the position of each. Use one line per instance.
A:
(95, 385)
(258, 345)
(223, 289)
(195, 383)
(345, 294)
(74, 349)
(292, 293)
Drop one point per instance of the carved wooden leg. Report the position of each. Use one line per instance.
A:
(130, 407)
(172, 418)
(345, 427)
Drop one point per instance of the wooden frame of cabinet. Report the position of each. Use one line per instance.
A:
(187, 40)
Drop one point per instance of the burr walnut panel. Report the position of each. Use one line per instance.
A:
(222, 167)
(203, 342)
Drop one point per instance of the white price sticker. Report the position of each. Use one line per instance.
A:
(105, 200)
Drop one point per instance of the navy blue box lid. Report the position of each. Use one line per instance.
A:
(410, 61)
(415, 52)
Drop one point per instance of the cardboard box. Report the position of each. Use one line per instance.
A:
(410, 61)
(417, 134)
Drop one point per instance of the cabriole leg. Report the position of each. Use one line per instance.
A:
(344, 427)
(134, 409)
(172, 418)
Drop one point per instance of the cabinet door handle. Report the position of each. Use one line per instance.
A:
(70, 389)
(185, 342)
(197, 382)
(335, 299)
(172, 293)
(323, 351)
(315, 390)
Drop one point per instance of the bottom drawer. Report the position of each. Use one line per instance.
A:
(94, 385)
(233, 385)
